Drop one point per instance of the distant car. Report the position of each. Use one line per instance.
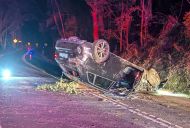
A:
(92, 63)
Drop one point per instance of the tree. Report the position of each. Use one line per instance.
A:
(146, 16)
(187, 23)
(97, 9)
(10, 20)
(34, 14)
(124, 23)
(113, 19)
(70, 18)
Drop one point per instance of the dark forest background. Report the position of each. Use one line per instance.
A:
(150, 33)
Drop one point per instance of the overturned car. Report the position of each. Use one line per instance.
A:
(94, 64)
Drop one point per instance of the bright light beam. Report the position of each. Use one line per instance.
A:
(6, 74)
(168, 93)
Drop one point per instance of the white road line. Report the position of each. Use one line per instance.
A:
(164, 121)
(36, 68)
(137, 110)
(143, 114)
(133, 111)
(153, 118)
(178, 126)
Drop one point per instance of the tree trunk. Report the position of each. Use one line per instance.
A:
(61, 20)
(121, 39)
(128, 23)
(142, 23)
(95, 25)
(56, 22)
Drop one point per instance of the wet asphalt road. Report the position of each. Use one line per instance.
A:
(21, 106)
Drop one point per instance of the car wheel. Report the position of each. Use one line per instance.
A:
(101, 50)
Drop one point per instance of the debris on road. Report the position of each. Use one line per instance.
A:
(61, 85)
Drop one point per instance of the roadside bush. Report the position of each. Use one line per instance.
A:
(178, 81)
(61, 85)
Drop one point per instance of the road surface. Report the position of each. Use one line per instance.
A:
(21, 106)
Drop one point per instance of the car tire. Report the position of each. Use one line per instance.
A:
(101, 50)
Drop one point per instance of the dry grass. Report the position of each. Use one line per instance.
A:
(61, 85)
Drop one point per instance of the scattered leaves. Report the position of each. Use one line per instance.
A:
(61, 85)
